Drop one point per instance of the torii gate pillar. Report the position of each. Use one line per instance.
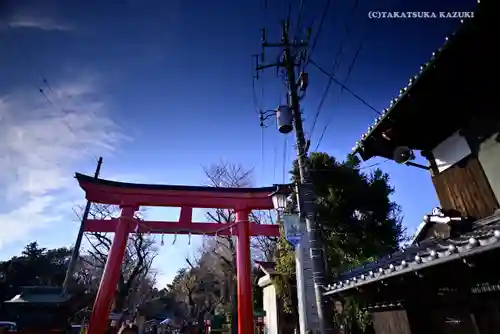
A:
(111, 274)
(244, 272)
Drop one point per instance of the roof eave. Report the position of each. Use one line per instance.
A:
(402, 263)
(403, 94)
(390, 273)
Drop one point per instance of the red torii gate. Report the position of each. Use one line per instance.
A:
(130, 196)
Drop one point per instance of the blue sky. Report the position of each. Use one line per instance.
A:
(162, 88)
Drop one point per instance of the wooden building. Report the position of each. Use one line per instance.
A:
(448, 280)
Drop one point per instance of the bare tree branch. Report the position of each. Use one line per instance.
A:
(136, 266)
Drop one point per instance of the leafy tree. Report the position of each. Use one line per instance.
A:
(36, 266)
(357, 218)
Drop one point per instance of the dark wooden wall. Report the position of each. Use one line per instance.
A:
(453, 322)
(391, 322)
(464, 187)
(487, 317)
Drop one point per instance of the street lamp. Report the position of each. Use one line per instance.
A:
(280, 196)
(290, 222)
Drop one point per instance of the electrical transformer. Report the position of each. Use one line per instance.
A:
(284, 118)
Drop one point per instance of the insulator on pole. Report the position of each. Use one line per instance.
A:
(304, 81)
(308, 34)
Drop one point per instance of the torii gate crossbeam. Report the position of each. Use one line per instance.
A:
(130, 197)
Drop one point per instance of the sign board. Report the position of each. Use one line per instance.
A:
(291, 224)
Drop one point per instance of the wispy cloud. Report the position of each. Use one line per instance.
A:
(33, 22)
(40, 146)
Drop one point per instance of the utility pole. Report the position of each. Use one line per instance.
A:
(78, 243)
(292, 56)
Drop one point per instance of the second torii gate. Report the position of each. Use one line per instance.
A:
(130, 196)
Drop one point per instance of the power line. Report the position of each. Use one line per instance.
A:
(375, 164)
(265, 13)
(262, 152)
(275, 162)
(348, 75)
(347, 89)
(66, 122)
(66, 114)
(335, 66)
(299, 15)
(46, 82)
(285, 146)
(339, 95)
(254, 95)
(360, 168)
(316, 37)
(354, 60)
(256, 104)
(349, 72)
(46, 98)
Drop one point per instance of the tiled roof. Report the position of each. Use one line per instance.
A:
(412, 81)
(429, 253)
(40, 295)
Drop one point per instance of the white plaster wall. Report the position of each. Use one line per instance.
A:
(450, 151)
(271, 308)
(489, 157)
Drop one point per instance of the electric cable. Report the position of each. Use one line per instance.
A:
(335, 66)
(299, 16)
(375, 164)
(343, 87)
(256, 103)
(355, 59)
(338, 97)
(265, 13)
(360, 168)
(349, 71)
(262, 153)
(63, 110)
(275, 162)
(258, 109)
(285, 146)
(347, 89)
(65, 119)
(46, 82)
(318, 33)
